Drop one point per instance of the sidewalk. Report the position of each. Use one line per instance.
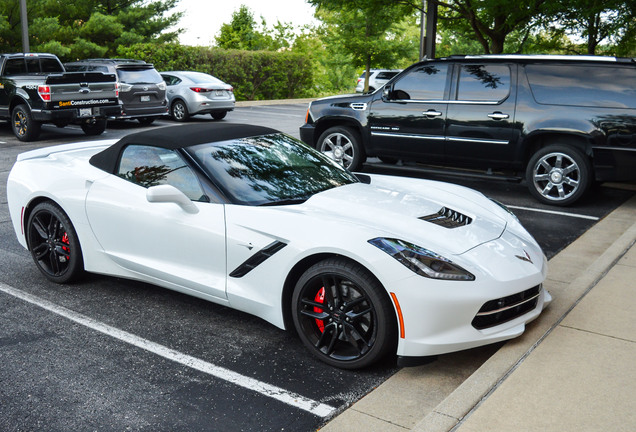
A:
(574, 369)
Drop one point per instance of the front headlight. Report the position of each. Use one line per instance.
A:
(422, 261)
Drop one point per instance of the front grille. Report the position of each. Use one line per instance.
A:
(448, 218)
(499, 311)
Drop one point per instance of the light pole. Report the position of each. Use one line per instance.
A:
(25, 26)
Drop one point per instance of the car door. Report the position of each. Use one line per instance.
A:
(480, 119)
(409, 119)
(160, 240)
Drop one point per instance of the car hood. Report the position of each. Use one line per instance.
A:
(452, 217)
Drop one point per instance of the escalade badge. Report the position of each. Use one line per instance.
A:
(525, 258)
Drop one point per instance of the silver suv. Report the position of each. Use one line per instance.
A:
(377, 78)
(142, 91)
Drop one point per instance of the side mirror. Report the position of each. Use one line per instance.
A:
(170, 194)
(386, 92)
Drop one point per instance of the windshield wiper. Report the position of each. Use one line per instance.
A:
(286, 201)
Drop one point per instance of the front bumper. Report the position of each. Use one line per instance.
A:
(445, 316)
(307, 134)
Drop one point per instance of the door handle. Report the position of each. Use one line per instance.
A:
(432, 113)
(498, 116)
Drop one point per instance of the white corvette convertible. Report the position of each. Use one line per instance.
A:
(362, 266)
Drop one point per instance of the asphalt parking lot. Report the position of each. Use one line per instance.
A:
(110, 354)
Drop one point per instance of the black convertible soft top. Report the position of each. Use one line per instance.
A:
(176, 137)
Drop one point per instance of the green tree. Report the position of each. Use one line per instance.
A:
(366, 30)
(242, 33)
(598, 21)
(87, 27)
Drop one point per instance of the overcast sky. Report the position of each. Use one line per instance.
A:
(203, 18)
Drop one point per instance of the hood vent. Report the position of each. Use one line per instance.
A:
(448, 218)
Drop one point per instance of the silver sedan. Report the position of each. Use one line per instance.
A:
(191, 93)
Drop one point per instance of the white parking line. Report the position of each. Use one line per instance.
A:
(554, 212)
(264, 389)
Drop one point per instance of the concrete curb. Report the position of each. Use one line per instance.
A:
(573, 273)
(274, 102)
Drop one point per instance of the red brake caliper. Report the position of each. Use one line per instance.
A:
(65, 248)
(320, 298)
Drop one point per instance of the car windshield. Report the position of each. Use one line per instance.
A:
(269, 170)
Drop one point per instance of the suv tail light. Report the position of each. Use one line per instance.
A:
(45, 93)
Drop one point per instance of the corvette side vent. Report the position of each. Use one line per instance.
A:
(448, 218)
(358, 106)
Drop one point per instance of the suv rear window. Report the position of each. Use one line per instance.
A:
(139, 76)
(583, 85)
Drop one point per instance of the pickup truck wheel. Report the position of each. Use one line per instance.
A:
(558, 174)
(94, 127)
(24, 127)
(343, 145)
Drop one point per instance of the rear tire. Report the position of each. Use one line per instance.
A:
(94, 127)
(558, 174)
(53, 243)
(23, 125)
(218, 115)
(146, 120)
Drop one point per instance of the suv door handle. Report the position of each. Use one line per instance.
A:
(432, 113)
(498, 116)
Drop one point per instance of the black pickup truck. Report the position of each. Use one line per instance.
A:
(35, 89)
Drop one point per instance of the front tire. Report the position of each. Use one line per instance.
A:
(558, 174)
(343, 314)
(179, 111)
(53, 243)
(343, 145)
(24, 127)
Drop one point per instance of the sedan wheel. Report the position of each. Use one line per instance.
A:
(54, 244)
(179, 111)
(558, 174)
(343, 315)
(343, 146)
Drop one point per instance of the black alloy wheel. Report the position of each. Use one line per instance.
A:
(343, 314)
(53, 243)
(179, 111)
(24, 127)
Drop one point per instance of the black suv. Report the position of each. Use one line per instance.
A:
(559, 121)
(142, 91)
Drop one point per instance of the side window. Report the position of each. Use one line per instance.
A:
(483, 83)
(152, 166)
(583, 85)
(426, 82)
(171, 80)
